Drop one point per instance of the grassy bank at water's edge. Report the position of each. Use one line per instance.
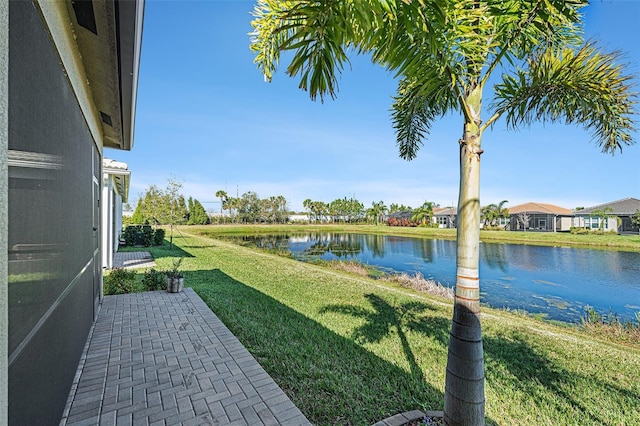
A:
(351, 350)
(608, 241)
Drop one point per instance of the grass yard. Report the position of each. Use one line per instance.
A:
(351, 350)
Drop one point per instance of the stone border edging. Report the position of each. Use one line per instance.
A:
(406, 417)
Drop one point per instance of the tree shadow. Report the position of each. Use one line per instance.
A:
(332, 379)
(385, 318)
(159, 252)
(513, 362)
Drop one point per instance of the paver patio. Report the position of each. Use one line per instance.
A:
(133, 259)
(159, 358)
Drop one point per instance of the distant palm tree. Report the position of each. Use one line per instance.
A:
(635, 220)
(307, 205)
(377, 211)
(492, 213)
(223, 199)
(424, 213)
(501, 211)
(604, 215)
(488, 214)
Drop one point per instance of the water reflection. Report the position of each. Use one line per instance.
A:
(495, 256)
(555, 282)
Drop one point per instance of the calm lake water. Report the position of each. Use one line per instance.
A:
(555, 281)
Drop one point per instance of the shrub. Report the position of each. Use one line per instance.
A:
(588, 231)
(131, 235)
(392, 221)
(154, 280)
(141, 235)
(146, 235)
(158, 237)
(119, 281)
(429, 225)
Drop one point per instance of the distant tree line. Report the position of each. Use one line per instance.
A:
(168, 207)
(249, 208)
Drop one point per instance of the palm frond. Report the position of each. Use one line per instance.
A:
(583, 86)
(317, 33)
(520, 27)
(416, 106)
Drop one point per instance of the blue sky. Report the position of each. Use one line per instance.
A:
(206, 117)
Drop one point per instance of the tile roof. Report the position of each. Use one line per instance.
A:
(539, 208)
(624, 207)
(405, 214)
(446, 211)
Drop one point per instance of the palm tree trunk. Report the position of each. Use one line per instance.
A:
(464, 388)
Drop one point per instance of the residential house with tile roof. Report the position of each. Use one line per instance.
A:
(606, 216)
(540, 217)
(445, 217)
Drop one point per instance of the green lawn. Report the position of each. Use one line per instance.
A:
(613, 242)
(350, 350)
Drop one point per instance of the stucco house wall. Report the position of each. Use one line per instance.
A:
(115, 192)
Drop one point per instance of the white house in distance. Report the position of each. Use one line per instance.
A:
(115, 192)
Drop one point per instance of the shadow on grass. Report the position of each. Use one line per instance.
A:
(332, 379)
(385, 318)
(531, 372)
(159, 252)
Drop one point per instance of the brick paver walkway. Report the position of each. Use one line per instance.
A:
(133, 259)
(159, 358)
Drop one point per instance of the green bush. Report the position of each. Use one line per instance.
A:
(154, 280)
(131, 235)
(142, 235)
(119, 281)
(146, 235)
(429, 225)
(588, 231)
(158, 237)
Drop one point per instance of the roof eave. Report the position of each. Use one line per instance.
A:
(109, 39)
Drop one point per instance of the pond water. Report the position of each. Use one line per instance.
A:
(557, 282)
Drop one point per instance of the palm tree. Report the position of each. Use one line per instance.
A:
(604, 215)
(635, 219)
(307, 205)
(223, 199)
(377, 211)
(424, 213)
(444, 54)
(501, 211)
(492, 213)
(488, 214)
